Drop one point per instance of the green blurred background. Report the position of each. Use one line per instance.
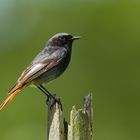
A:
(105, 61)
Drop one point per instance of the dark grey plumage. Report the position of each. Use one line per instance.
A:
(46, 66)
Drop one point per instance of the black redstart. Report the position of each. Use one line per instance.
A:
(46, 66)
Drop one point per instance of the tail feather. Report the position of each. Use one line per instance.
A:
(10, 98)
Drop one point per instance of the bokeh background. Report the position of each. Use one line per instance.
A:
(105, 61)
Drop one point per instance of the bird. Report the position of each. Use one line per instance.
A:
(49, 64)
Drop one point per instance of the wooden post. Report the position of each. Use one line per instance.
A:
(80, 127)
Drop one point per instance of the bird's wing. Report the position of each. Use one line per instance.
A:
(37, 68)
(42, 65)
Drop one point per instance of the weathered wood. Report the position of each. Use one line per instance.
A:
(81, 121)
(80, 127)
(56, 130)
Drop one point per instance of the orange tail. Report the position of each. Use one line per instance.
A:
(10, 98)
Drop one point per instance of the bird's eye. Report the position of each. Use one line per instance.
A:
(62, 38)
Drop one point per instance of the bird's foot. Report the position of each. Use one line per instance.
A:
(52, 99)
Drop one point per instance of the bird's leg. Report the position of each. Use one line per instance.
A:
(43, 91)
(48, 94)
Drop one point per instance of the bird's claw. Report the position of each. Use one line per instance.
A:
(52, 99)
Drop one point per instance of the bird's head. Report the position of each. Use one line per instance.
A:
(62, 40)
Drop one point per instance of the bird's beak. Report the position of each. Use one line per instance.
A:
(75, 37)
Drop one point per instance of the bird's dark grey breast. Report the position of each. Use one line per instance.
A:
(56, 70)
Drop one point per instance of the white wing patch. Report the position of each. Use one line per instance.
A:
(34, 69)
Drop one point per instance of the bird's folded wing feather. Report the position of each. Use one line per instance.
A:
(42, 65)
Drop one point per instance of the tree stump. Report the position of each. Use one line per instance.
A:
(80, 127)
